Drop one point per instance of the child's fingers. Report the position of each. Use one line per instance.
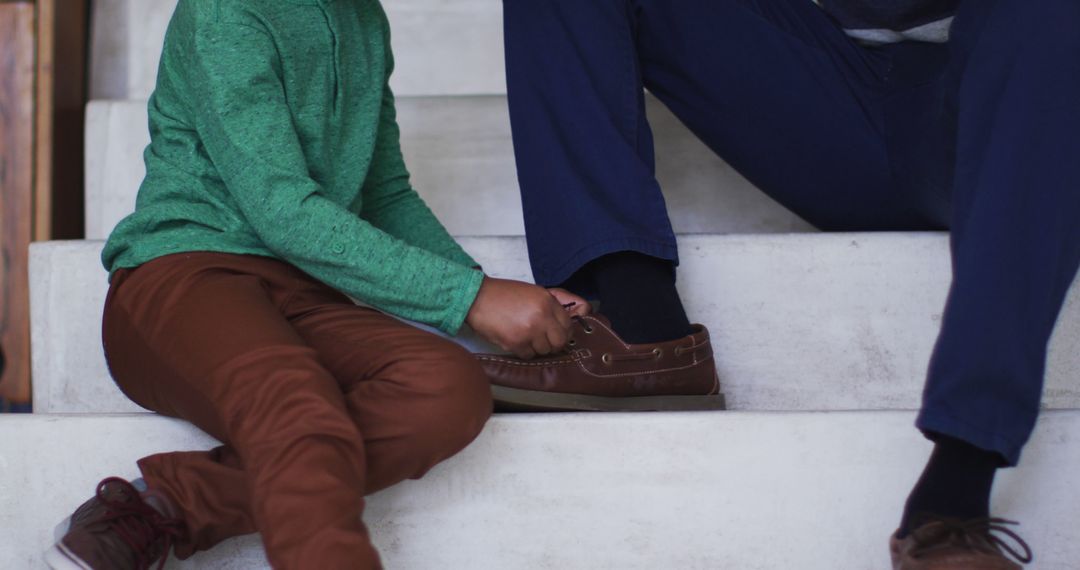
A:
(571, 302)
(580, 309)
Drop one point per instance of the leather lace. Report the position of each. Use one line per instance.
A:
(982, 534)
(581, 321)
(138, 524)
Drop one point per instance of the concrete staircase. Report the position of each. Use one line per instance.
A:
(822, 343)
(738, 490)
(459, 151)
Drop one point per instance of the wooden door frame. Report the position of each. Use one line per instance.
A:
(42, 102)
(62, 39)
(16, 192)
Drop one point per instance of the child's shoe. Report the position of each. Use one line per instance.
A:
(118, 529)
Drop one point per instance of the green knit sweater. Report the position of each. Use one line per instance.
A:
(273, 133)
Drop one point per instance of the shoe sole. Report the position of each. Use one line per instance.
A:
(518, 400)
(59, 557)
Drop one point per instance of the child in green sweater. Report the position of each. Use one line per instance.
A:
(275, 191)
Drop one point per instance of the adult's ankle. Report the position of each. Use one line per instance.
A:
(637, 294)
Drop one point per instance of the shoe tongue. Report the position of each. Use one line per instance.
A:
(159, 504)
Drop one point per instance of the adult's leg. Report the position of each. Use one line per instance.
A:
(778, 90)
(201, 337)
(583, 146)
(773, 86)
(1011, 89)
(1016, 229)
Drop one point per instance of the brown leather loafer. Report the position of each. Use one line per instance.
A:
(959, 545)
(600, 372)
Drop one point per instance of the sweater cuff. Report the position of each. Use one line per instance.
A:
(459, 308)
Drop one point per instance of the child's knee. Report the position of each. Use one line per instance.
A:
(467, 393)
(460, 403)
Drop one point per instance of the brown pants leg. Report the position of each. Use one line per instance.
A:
(317, 401)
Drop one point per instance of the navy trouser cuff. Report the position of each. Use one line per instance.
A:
(932, 422)
(552, 277)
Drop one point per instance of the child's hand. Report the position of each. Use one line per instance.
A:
(574, 304)
(522, 318)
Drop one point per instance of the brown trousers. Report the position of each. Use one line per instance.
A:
(318, 402)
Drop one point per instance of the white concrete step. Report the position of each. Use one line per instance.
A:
(746, 491)
(799, 322)
(441, 47)
(460, 154)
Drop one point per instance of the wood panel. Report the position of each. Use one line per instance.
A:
(61, 104)
(16, 193)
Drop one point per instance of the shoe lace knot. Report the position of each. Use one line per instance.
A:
(148, 533)
(987, 534)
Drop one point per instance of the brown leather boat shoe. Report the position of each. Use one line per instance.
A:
(601, 372)
(960, 545)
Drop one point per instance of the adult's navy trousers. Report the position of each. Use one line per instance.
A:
(980, 136)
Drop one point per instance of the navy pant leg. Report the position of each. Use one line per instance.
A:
(783, 95)
(773, 86)
(1014, 81)
(583, 148)
(851, 138)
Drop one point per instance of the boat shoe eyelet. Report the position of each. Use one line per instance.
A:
(606, 358)
(571, 342)
(658, 353)
(589, 329)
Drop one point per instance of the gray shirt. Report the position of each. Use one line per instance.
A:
(890, 21)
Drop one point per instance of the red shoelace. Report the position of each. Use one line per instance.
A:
(139, 525)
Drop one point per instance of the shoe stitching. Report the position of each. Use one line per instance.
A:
(521, 363)
(627, 346)
(587, 371)
(716, 384)
(656, 371)
(692, 349)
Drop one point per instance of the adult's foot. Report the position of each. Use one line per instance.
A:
(599, 371)
(637, 294)
(955, 484)
(117, 529)
(950, 544)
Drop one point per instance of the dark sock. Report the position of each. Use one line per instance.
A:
(637, 292)
(955, 484)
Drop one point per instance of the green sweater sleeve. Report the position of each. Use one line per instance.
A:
(244, 122)
(391, 204)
